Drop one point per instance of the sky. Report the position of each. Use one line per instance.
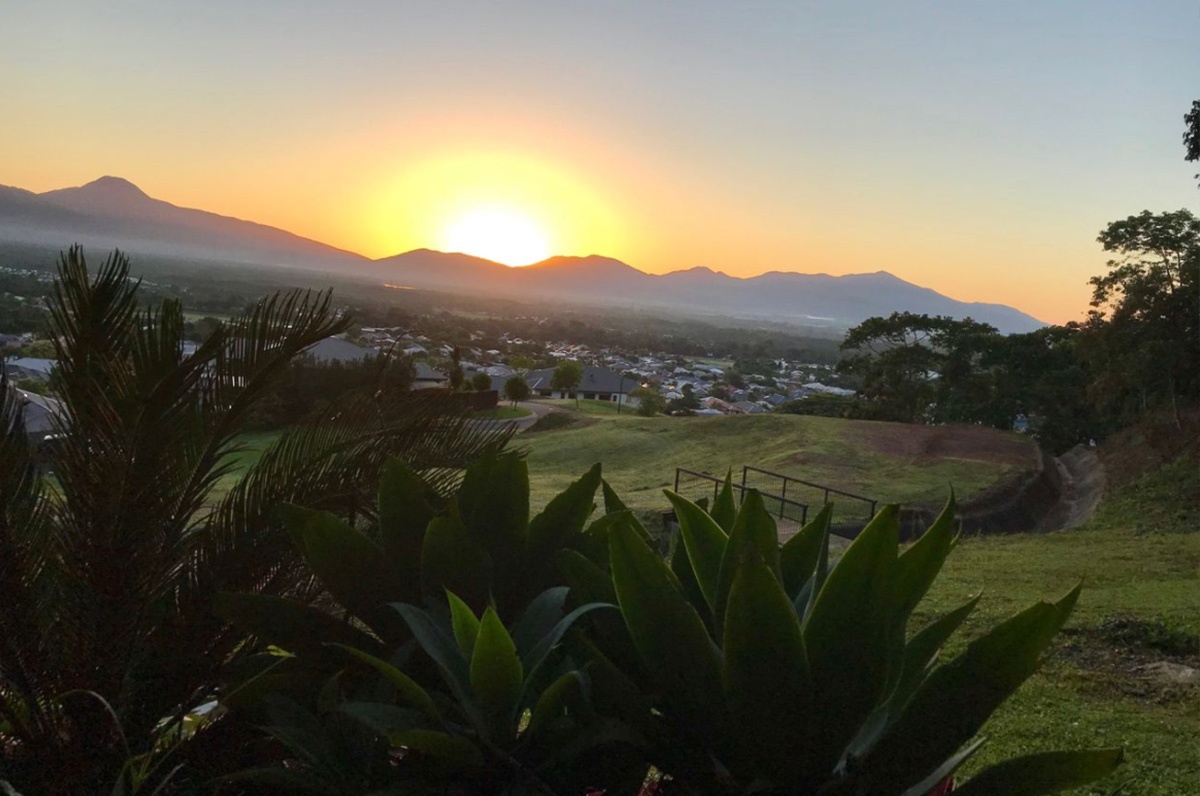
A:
(973, 147)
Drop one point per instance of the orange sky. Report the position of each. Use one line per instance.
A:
(977, 153)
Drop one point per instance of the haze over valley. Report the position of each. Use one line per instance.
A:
(112, 212)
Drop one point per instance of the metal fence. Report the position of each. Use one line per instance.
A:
(849, 509)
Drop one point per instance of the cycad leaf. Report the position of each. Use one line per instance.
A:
(847, 637)
(670, 637)
(288, 624)
(765, 673)
(799, 555)
(1041, 774)
(496, 673)
(953, 702)
(705, 543)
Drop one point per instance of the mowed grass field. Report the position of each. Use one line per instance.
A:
(888, 462)
(1139, 561)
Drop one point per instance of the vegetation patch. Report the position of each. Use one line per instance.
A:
(556, 421)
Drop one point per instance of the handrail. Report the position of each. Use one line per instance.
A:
(717, 482)
(828, 490)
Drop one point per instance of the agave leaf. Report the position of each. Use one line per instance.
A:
(807, 598)
(409, 691)
(765, 673)
(497, 676)
(681, 568)
(946, 769)
(288, 624)
(452, 561)
(799, 555)
(381, 717)
(954, 701)
(920, 564)
(847, 637)
(563, 518)
(533, 660)
(612, 502)
(753, 528)
(590, 584)
(669, 635)
(464, 623)
(705, 543)
(554, 701)
(538, 618)
(451, 748)
(918, 656)
(724, 508)
(1040, 774)
(493, 502)
(445, 653)
(404, 514)
(354, 569)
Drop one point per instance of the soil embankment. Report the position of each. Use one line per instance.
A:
(1058, 493)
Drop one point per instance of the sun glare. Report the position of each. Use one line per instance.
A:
(498, 234)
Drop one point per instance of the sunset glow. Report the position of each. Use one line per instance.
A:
(497, 234)
(966, 148)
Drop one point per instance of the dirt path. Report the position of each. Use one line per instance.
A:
(1083, 481)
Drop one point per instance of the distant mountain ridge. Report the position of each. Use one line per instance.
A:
(112, 212)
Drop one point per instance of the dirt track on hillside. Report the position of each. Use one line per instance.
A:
(970, 443)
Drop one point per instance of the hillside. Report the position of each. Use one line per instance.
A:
(889, 462)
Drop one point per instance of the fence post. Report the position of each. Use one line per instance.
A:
(677, 480)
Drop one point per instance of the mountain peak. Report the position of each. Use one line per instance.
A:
(114, 186)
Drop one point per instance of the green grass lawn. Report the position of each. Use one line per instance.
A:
(1138, 559)
(640, 455)
(600, 408)
(503, 412)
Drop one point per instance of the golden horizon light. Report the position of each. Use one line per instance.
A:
(497, 233)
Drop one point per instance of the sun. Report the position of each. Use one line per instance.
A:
(498, 234)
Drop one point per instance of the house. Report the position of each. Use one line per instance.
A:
(40, 415)
(426, 378)
(597, 384)
(29, 368)
(335, 349)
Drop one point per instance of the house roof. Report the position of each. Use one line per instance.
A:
(594, 380)
(335, 349)
(35, 364)
(38, 413)
(423, 372)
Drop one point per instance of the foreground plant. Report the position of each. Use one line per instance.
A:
(109, 569)
(765, 670)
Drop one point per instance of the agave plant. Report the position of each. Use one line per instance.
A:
(474, 701)
(109, 568)
(762, 669)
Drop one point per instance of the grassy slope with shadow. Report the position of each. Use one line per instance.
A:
(1138, 558)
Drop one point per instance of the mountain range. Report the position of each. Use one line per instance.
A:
(112, 212)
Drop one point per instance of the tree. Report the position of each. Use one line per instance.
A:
(650, 401)
(108, 575)
(895, 360)
(1191, 134)
(1143, 335)
(481, 382)
(567, 377)
(516, 389)
(456, 372)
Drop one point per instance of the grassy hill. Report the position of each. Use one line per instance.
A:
(889, 462)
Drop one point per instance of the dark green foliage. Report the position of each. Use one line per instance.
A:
(307, 387)
(516, 389)
(811, 681)
(109, 570)
(1191, 133)
(481, 382)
